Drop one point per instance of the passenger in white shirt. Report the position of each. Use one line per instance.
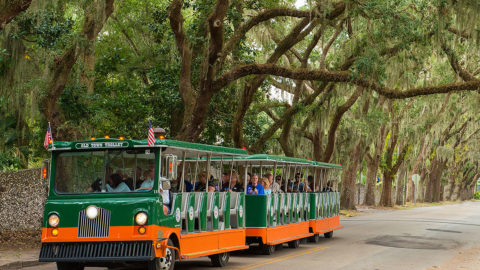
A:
(116, 184)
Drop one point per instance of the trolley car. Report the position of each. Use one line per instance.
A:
(119, 202)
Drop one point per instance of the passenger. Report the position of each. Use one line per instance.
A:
(129, 182)
(266, 186)
(277, 185)
(249, 178)
(296, 186)
(165, 197)
(115, 184)
(139, 180)
(147, 184)
(176, 185)
(273, 184)
(211, 188)
(235, 184)
(97, 185)
(255, 188)
(328, 188)
(311, 185)
(225, 181)
(201, 184)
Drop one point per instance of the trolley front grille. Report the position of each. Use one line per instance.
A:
(97, 227)
(97, 251)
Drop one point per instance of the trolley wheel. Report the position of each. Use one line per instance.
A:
(69, 265)
(314, 238)
(220, 259)
(328, 234)
(294, 243)
(164, 263)
(268, 249)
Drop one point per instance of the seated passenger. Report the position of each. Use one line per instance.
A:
(97, 185)
(201, 184)
(328, 188)
(115, 184)
(296, 186)
(225, 181)
(176, 185)
(266, 186)
(236, 186)
(211, 187)
(277, 186)
(310, 184)
(255, 188)
(147, 184)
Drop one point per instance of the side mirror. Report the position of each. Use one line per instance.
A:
(166, 185)
(171, 167)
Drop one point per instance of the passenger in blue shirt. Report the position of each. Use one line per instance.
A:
(255, 188)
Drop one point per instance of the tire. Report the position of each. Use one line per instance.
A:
(164, 263)
(314, 238)
(69, 266)
(294, 243)
(220, 259)
(268, 249)
(328, 234)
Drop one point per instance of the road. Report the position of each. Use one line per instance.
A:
(440, 237)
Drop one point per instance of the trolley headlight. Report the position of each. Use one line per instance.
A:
(141, 218)
(53, 220)
(92, 212)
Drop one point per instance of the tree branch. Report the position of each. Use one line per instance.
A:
(10, 9)
(336, 122)
(176, 24)
(266, 15)
(339, 76)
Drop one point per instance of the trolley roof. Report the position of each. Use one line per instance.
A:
(170, 146)
(270, 160)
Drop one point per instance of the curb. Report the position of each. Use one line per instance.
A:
(20, 264)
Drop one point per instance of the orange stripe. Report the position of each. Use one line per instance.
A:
(191, 245)
(325, 224)
(281, 234)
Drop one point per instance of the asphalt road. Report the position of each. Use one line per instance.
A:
(440, 237)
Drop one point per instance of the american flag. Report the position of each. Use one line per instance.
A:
(48, 137)
(151, 136)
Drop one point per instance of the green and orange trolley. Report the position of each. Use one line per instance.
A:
(157, 212)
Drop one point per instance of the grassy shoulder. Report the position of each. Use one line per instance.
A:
(364, 210)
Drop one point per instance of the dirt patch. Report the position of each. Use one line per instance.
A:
(20, 240)
(413, 242)
(465, 259)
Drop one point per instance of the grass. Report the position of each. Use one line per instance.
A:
(354, 213)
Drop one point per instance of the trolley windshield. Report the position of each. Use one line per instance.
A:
(109, 171)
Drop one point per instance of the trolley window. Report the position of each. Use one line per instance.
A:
(110, 171)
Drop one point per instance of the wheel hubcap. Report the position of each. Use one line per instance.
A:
(166, 262)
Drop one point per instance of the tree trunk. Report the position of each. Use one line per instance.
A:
(11, 8)
(456, 191)
(372, 166)
(449, 187)
(400, 186)
(347, 198)
(415, 170)
(386, 197)
(96, 16)
(421, 185)
(372, 171)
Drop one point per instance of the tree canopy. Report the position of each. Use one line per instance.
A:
(387, 88)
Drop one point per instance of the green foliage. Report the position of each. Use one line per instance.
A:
(47, 28)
